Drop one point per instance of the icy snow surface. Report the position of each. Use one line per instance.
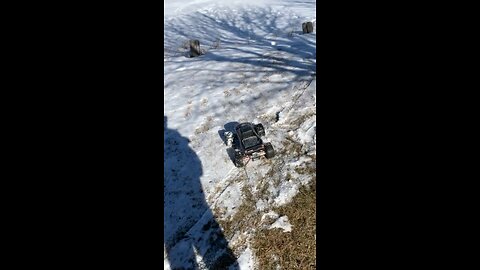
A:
(258, 67)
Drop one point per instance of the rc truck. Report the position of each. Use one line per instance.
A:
(248, 144)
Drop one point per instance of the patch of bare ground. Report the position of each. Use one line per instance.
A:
(290, 250)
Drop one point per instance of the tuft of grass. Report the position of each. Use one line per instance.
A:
(290, 250)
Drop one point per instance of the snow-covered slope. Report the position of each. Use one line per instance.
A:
(258, 67)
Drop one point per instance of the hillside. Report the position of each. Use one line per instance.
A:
(258, 67)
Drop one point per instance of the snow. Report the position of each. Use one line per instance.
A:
(229, 199)
(257, 67)
(286, 192)
(270, 214)
(246, 260)
(282, 223)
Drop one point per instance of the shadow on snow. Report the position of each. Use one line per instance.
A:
(256, 29)
(186, 210)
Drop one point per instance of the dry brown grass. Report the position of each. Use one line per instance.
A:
(291, 148)
(244, 218)
(295, 249)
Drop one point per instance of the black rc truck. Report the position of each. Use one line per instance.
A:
(248, 144)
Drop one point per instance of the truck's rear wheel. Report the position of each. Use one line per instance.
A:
(269, 152)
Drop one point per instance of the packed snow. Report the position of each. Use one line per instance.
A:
(257, 67)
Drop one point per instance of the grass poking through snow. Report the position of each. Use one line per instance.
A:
(295, 249)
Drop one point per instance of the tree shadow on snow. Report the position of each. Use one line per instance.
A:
(186, 211)
(249, 36)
